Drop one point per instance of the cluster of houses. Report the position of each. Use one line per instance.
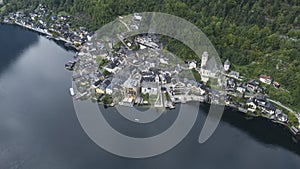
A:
(146, 41)
(234, 82)
(266, 107)
(268, 80)
(58, 27)
(135, 21)
(155, 82)
(86, 76)
(132, 74)
(253, 93)
(252, 86)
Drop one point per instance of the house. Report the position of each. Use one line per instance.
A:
(97, 83)
(199, 90)
(100, 97)
(193, 65)
(127, 102)
(109, 90)
(261, 101)
(294, 130)
(113, 67)
(100, 90)
(262, 90)
(100, 75)
(137, 17)
(130, 88)
(276, 84)
(278, 111)
(234, 74)
(241, 89)
(252, 85)
(265, 79)
(228, 100)
(89, 37)
(163, 61)
(168, 78)
(269, 108)
(231, 83)
(163, 79)
(149, 87)
(281, 116)
(251, 105)
(106, 82)
(226, 65)
(148, 76)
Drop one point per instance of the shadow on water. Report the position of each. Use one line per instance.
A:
(14, 43)
(261, 129)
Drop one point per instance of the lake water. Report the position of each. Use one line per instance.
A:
(39, 128)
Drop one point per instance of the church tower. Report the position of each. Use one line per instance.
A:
(226, 65)
(204, 58)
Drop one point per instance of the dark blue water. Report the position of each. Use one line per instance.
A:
(39, 128)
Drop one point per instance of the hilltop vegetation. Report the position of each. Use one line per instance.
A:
(258, 37)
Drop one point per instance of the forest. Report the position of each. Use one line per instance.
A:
(257, 36)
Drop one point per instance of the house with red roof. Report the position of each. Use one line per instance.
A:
(265, 79)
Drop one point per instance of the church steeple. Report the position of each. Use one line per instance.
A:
(226, 65)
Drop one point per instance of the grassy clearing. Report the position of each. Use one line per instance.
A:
(63, 13)
(2, 9)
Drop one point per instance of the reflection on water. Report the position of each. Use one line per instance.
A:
(13, 49)
(139, 130)
(39, 128)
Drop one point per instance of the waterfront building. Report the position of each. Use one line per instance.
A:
(149, 87)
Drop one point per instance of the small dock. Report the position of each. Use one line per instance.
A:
(70, 65)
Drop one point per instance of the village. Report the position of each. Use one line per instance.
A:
(147, 76)
(139, 72)
(58, 27)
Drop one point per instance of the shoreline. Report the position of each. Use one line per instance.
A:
(228, 107)
(285, 125)
(236, 110)
(43, 33)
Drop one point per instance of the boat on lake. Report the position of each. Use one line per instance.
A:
(72, 92)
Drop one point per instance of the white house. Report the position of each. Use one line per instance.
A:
(265, 79)
(149, 87)
(163, 61)
(198, 90)
(241, 89)
(108, 89)
(137, 16)
(89, 37)
(251, 105)
(192, 65)
(281, 116)
(163, 79)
